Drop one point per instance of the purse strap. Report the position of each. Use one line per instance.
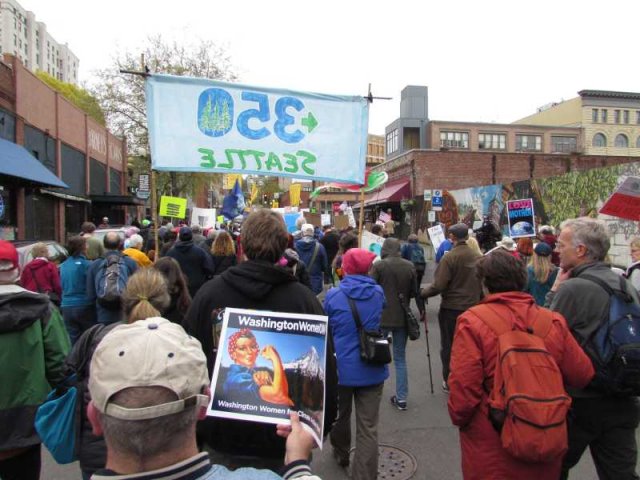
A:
(354, 312)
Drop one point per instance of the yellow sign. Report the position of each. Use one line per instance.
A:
(220, 219)
(230, 180)
(175, 207)
(254, 193)
(294, 194)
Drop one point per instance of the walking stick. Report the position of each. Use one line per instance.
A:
(426, 336)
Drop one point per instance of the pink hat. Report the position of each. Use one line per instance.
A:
(357, 261)
(8, 254)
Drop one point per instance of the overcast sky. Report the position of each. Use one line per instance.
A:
(493, 61)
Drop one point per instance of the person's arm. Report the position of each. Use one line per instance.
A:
(467, 374)
(55, 280)
(91, 282)
(278, 391)
(415, 292)
(635, 278)
(576, 367)
(441, 279)
(299, 445)
(56, 346)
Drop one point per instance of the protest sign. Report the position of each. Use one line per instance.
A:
(270, 363)
(314, 219)
(174, 207)
(205, 217)
(436, 235)
(325, 219)
(521, 218)
(625, 201)
(384, 217)
(341, 221)
(203, 125)
(372, 242)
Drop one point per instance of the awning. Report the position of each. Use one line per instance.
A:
(16, 161)
(65, 196)
(390, 193)
(118, 200)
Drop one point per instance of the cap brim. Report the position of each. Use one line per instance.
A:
(155, 411)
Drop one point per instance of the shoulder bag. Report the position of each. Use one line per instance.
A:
(374, 345)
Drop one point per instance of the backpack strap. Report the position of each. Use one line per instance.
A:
(543, 322)
(607, 288)
(315, 254)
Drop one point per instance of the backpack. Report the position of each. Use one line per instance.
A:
(111, 281)
(528, 404)
(614, 347)
(417, 256)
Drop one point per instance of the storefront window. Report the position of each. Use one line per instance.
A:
(8, 214)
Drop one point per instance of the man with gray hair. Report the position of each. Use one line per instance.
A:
(135, 252)
(199, 239)
(455, 280)
(604, 423)
(149, 386)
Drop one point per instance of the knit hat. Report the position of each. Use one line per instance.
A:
(185, 234)
(357, 261)
(542, 249)
(148, 353)
(8, 256)
(307, 230)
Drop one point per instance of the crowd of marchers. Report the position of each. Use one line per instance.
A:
(539, 342)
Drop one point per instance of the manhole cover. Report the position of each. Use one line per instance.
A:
(394, 463)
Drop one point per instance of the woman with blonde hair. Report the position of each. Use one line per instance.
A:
(42, 276)
(474, 245)
(223, 252)
(541, 273)
(145, 296)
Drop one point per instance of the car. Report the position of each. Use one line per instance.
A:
(101, 232)
(57, 253)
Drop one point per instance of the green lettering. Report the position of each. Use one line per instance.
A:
(273, 161)
(308, 159)
(257, 156)
(207, 158)
(292, 163)
(229, 153)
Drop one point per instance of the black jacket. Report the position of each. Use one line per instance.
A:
(195, 263)
(261, 286)
(331, 243)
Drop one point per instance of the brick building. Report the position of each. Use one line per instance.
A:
(66, 142)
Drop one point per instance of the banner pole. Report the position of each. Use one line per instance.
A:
(361, 219)
(154, 213)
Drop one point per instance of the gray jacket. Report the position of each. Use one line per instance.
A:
(584, 304)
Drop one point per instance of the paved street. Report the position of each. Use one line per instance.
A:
(424, 429)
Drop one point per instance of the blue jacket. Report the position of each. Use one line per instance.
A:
(443, 248)
(370, 301)
(305, 247)
(73, 276)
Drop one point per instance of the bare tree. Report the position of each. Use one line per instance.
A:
(122, 98)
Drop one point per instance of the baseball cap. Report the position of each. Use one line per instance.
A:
(357, 261)
(307, 230)
(185, 234)
(148, 353)
(459, 230)
(8, 254)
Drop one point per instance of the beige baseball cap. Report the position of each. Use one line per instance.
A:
(148, 353)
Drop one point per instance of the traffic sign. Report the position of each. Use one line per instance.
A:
(427, 195)
(431, 216)
(436, 200)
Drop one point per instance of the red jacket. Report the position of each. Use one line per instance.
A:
(473, 361)
(41, 273)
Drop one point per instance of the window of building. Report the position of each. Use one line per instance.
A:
(529, 143)
(454, 139)
(594, 115)
(599, 140)
(616, 116)
(604, 115)
(621, 141)
(15, 40)
(625, 116)
(492, 141)
(638, 117)
(392, 141)
(638, 143)
(563, 144)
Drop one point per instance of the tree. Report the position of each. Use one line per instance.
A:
(122, 98)
(80, 97)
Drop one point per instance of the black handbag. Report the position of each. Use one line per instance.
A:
(374, 345)
(413, 325)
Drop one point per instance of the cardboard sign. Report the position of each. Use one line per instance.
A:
(174, 207)
(268, 364)
(625, 201)
(521, 218)
(314, 219)
(341, 222)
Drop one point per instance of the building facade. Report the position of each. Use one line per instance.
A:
(22, 36)
(409, 130)
(610, 121)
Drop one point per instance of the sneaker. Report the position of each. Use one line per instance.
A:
(445, 386)
(399, 404)
(340, 460)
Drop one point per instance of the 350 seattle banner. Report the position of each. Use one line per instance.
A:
(201, 125)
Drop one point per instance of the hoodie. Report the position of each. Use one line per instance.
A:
(305, 248)
(33, 346)
(369, 300)
(195, 263)
(40, 275)
(259, 285)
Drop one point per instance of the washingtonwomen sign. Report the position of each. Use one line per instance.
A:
(200, 125)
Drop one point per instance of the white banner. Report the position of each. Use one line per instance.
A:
(205, 217)
(436, 235)
(201, 125)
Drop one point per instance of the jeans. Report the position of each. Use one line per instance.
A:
(367, 400)
(77, 319)
(447, 321)
(607, 426)
(399, 343)
(24, 466)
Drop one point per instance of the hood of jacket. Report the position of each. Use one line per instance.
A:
(183, 246)
(20, 308)
(390, 248)
(359, 287)
(37, 264)
(305, 244)
(255, 278)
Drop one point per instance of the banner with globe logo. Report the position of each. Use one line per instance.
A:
(521, 218)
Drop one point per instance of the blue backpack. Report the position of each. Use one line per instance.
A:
(111, 281)
(615, 345)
